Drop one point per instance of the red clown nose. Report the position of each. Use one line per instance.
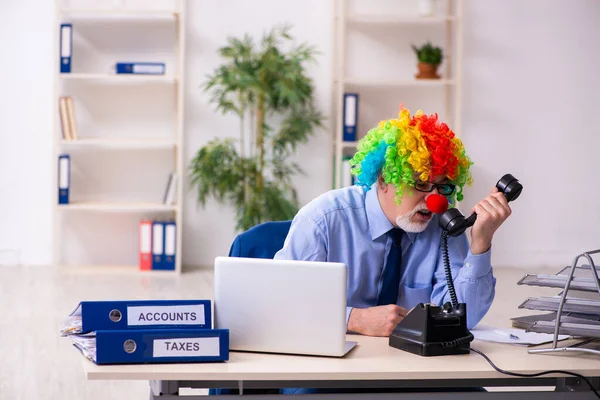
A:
(436, 203)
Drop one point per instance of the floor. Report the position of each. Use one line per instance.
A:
(36, 363)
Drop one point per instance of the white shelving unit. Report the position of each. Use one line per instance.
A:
(374, 22)
(129, 131)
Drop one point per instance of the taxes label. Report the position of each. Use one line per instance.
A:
(186, 347)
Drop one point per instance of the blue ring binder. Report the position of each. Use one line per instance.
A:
(91, 316)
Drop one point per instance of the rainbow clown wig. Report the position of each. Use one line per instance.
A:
(406, 148)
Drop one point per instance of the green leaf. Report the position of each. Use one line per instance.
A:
(296, 128)
(216, 170)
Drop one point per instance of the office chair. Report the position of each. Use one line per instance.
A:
(260, 241)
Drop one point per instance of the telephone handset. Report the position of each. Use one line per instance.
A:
(453, 222)
(430, 330)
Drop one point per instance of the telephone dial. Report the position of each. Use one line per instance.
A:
(430, 330)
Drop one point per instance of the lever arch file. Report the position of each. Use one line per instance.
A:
(154, 346)
(143, 68)
(64, 178)
(145, 243)
(350, 116)
(158, 245)
(66, 47)
(92, 316)
(170, 246)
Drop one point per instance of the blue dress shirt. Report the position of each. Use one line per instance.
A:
(348, 225)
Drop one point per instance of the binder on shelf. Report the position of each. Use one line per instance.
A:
(155, 346)
(92, 316)
(65, 124)
(67, 118)
(66, 47)
(142, 68)
(71, 117)
(171, 190)
(64, 178)
(350, 116)
(170, 245)
(145, 245)
(158, 245)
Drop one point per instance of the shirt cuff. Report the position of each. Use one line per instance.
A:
(348, 311)
(477, 265)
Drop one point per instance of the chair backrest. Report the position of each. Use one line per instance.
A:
(261, 241)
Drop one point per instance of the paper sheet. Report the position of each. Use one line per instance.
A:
(86, 344)
(511, 335)
(71, 325)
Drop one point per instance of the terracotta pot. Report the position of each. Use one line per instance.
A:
(427, 71)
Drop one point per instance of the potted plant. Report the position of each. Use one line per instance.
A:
(266, 86)
(429, 59)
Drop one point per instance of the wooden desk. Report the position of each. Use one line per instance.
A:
(373, 363)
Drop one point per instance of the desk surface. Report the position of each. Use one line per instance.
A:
(372, 359)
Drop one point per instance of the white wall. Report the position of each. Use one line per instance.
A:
(26, 81)
(530, 108)
(529, 100)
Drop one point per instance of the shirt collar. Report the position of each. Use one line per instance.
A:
(379, 224)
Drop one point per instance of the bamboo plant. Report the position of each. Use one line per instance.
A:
(268, 89)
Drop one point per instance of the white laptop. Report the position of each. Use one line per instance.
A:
(282, 306)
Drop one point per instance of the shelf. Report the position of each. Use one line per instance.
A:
(120, 143)
(397, 83)
(112, 270)
(115, 14)
(117, 206)
(118, 78)
(358, 19)
(349, 145)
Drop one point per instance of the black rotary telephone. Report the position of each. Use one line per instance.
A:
(429, 330)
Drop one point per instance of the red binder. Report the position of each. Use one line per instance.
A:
(145, 245)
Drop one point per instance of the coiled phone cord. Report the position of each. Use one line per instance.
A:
(447, 269)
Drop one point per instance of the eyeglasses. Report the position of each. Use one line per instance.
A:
(445, 189)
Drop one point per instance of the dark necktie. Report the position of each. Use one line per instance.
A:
(391, 272)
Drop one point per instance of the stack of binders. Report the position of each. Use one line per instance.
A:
(146, 331)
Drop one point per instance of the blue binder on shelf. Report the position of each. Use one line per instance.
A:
(64, 178)
(170, 246)
(155, 346)
(141, 68)
(92, 316)
(158, 245)
(350, 116)
(66, 47)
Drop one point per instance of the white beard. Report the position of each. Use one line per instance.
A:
(404, 222)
